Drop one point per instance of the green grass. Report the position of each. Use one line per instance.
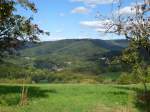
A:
(70, 98)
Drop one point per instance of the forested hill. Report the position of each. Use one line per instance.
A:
(63, 60)
(69, 54)
(74, 47)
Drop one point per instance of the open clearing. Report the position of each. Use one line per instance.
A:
(70, 98)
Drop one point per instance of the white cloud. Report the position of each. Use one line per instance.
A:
(131, 9)
(80, 10)
(96, 2)
(128, 10)
(99, 26)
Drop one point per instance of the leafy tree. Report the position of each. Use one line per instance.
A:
(136, 28)
(15, 28)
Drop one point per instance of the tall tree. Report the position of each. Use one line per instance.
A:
(15, 28)
(135, 26)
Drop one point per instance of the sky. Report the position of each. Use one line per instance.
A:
(75, 19)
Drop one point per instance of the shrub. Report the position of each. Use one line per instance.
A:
(125, 79)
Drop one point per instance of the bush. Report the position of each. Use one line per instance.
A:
(125, 79)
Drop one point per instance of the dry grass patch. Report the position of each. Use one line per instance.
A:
(103, 108)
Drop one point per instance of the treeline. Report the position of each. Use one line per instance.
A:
(14, 74)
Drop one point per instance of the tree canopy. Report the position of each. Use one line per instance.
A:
(15, 28)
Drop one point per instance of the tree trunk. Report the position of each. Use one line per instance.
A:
(24, 96)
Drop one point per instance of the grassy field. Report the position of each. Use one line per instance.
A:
(70, 98)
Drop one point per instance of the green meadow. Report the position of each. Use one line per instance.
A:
(71, 98)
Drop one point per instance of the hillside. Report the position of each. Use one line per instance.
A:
(65, 60)
(77, 47)
(69, 54)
